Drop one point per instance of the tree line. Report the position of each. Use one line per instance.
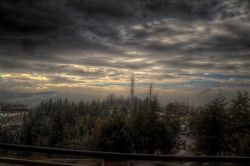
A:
(109, 125)
(220, 127)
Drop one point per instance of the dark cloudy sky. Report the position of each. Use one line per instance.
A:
(90, 48)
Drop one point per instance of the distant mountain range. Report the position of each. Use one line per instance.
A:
(28, 98)
(11, 94)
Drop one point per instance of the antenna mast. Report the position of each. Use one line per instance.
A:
(150, 91)
(132, 91)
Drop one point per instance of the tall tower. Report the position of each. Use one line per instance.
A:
(132, 91)
(150, 91)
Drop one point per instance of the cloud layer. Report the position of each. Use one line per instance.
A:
(63, 45)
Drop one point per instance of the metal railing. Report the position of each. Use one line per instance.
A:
(109, 156)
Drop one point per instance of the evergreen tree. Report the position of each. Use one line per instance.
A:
(210, 128)
(56, 137)
(26, 135)
(112, 134)
(240, 124)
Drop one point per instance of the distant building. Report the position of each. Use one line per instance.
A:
(12, 109)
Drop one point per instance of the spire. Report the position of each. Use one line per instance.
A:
(150, 91)
(132, 91)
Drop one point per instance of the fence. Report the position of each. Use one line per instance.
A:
(107, 158)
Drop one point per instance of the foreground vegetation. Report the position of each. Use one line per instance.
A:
(107, 125)
(219, 128)
(223, 128)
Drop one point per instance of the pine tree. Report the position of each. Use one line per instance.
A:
(56, 137)
(240, 123)
(210, 128)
